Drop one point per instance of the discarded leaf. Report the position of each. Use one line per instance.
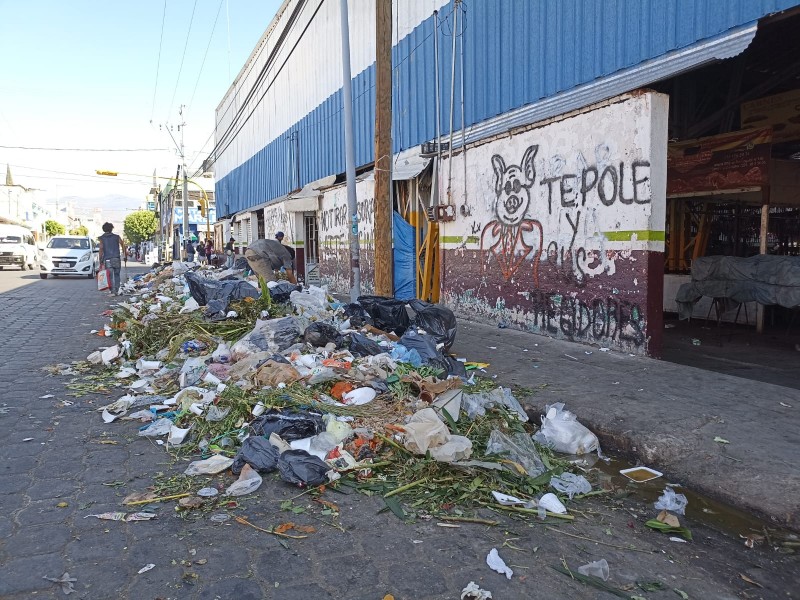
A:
(664, 528)
(681, 593)
(62, 505)
(720, 440)
(650, 586)
(283, 527)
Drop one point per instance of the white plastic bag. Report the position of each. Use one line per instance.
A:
(310, 302)
(671, 501)
(426, 432)
(249, 481)
(498, 564)
(562, 432)
(425, 429)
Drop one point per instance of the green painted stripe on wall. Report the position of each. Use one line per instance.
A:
(642, 235)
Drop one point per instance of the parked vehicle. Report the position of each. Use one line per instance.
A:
(70, 255)
(17, 247)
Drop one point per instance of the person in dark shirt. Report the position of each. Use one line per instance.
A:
(267, 256)
(111, 250)
(229, 252)
(279, 236)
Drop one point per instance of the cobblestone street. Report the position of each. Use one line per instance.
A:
(74, 465)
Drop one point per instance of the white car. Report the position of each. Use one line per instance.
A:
(17, 248)
(70, 255)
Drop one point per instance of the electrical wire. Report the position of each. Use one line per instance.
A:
(264, 71)
(84, 149)
(183, 57)
(158, 62)
(205, 55)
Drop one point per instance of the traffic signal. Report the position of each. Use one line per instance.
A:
(203, 207)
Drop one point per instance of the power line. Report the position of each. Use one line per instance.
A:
(180, 70)
(203, 64)
(158, 63)
(84, 149)
(265, 69)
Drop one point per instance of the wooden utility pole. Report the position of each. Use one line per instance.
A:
(383, 148)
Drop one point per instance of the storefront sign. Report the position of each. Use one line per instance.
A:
(781, 112)
(718, 163)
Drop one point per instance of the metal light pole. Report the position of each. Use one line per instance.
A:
(185, 194)
(350, 154)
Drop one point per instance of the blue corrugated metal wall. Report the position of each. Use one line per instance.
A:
(515, 52)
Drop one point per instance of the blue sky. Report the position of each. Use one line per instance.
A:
(82, 74)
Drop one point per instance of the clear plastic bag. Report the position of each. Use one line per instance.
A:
(273, 335)
(518, 447)
(570, 484)
(562, 432)
(671, 501)
(476, 404)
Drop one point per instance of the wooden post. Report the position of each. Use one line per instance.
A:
(383, 148)
(762, 249)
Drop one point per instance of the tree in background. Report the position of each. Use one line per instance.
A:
(140, 226)
(54, 228)
(80, 230)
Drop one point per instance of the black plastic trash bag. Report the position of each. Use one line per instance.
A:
(322, 334)
(241, 263)
(302, 469)
(289, 424)
(361, 345)
(436, 320)
(357, 314)
(282, 291)
(258, 453)
(218, 294)
(388, 314)
(425, 345)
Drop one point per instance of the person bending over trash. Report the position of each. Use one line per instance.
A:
(267, 256)
(111, 250)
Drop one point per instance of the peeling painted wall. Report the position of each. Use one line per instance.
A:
(334, 245)
(558, 225)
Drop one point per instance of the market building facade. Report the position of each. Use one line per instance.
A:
(548, 157)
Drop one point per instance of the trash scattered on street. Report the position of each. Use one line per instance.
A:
(671, 501)
(597, 568)
(259, 384)
(721, 440)
(65, 581)
(146, 568)
(473, 592)
(498, 564)
(641, 474)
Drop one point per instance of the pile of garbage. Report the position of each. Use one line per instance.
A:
(246, 378)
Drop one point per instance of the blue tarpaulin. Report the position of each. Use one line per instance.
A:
(405, 263)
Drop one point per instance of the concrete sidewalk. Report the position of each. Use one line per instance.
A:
(663, 415)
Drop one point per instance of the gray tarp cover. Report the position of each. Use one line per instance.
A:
(764, 278)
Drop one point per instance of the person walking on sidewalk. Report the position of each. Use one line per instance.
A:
(111, 250)
(209, 251)
(229, 253)
(267, 256)
(190, 251)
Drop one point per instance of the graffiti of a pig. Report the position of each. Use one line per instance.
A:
(511, 238)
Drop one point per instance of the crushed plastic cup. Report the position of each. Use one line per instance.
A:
(597, 568)
(551, 503)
